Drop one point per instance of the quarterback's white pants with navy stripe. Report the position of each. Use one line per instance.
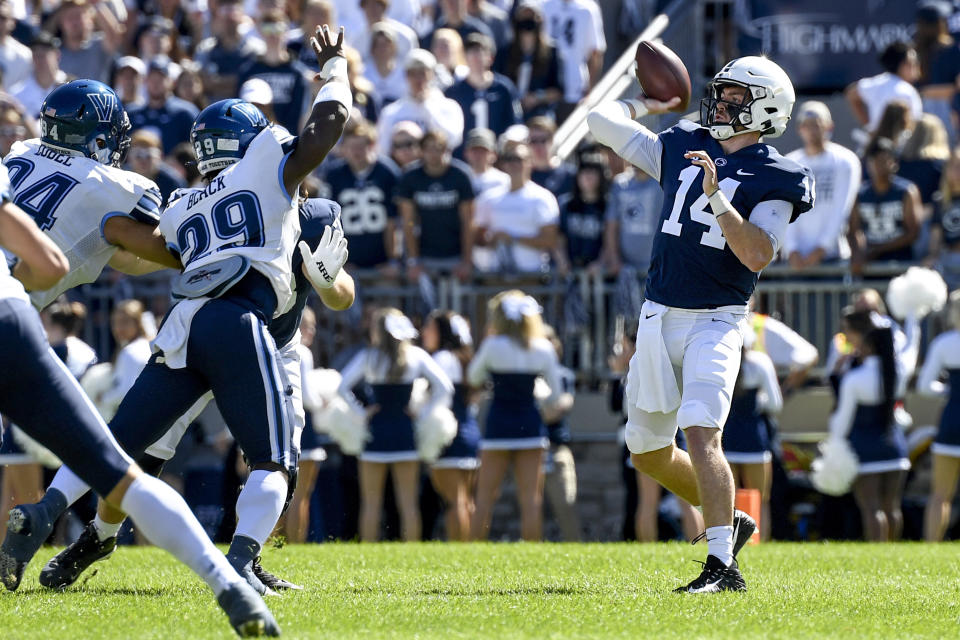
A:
(231, 354)
(704, 348)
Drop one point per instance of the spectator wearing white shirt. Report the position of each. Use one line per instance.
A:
(868, 97)
(129, 331)
(46, 73)
(577, 31)
(384, 69)
(375, 13)
(424, 104)
(480, 152)
(519, 222)
(15, 58)
(819, 236)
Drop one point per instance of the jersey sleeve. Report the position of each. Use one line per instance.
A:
(793, 183)
(464, 185)
(611, 125)
(270, 150)
(123, 194)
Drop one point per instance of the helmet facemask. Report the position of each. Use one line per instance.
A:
(741, 113)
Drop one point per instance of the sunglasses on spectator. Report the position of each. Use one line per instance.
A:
(144, 154)
(273, 28)
(539, 140)
(404, 144)
(512, 158)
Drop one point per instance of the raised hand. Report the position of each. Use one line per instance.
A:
(324, 46)
(703, 160)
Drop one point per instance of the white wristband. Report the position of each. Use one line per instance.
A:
(335, 67)
(719, 203)
(335, 91)
(639, 108)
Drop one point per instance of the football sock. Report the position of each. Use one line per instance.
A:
(69, 485)
(260, 504)
(166, 521)
(54, 503)
(105, 529)
(720, 543)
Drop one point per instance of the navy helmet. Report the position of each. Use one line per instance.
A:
(86, 116)
(223, 131)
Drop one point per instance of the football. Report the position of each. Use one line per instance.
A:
(662, 75)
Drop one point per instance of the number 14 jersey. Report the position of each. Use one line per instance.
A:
(245, 210)
(691, 266)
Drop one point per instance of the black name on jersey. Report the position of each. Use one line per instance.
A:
(52, 154)
(215, 185)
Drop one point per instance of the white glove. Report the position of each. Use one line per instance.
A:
(325, 263)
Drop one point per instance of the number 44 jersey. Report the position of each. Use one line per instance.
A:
(245, 210)
(71, 197)
(692, 266)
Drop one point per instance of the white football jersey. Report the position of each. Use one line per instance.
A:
(70, 197)
(10, 287)
(245, 211)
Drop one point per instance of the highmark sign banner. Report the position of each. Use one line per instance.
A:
(824, 44)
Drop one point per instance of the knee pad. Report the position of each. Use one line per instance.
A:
(642, 439)
(697, 413)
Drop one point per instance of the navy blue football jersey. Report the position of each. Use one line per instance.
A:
(437, 200)
(496, 107)
(691, 266)
(581, 223)
(366, 203)
(316, 214)
(881, 216)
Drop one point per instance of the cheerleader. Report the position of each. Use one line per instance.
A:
(865, 416)
(746, 440)
(943, 356)
(446, 335)
(390, 366)
(512, 357)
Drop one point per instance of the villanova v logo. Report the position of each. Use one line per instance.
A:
(104, 103)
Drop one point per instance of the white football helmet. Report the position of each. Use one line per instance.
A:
(766, 107)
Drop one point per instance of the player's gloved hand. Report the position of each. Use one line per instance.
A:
(325, 262)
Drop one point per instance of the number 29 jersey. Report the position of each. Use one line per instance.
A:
(71, 197)
(691, 266)
(245, 210)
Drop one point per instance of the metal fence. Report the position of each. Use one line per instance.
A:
(585, 308)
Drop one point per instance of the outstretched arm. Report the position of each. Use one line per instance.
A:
(41, 264)
(613, 124)
(140, 239)
(331, 109)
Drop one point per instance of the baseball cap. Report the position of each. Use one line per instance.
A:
(45, 39)
(814, 109)
(420, 59)
(481, 138)
(132, 62)
(257, 91)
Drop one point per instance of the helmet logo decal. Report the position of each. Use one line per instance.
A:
(104, 103)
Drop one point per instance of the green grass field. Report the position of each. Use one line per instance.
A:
(517, 591)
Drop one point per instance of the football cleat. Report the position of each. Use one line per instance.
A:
(716, 577)
(743, 528)
(64, 568)
(248, 614)
(271, 581)
(27, 529)
(241, 555)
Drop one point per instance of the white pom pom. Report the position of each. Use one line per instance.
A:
(835, 470)
(434, 432)
(35, 450)
(918, 291)
(419, 396)
(320, 387)
(345, 425)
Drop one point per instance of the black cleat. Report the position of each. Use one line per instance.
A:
(271, 581)
(716, 577)
(241, 555)
(248, 614)
(64, 568)
(27, 529)
(743, 527)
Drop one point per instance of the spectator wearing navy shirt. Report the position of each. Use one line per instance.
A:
(286, 77)
(168, 116)
(488, 100)
(363, 184)
(146, 158)
(437, 195)
(495, 18)
(582, 215)
(548, 171)
(226, 51)
(456, 17)
(531, 62)
(883, 224)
